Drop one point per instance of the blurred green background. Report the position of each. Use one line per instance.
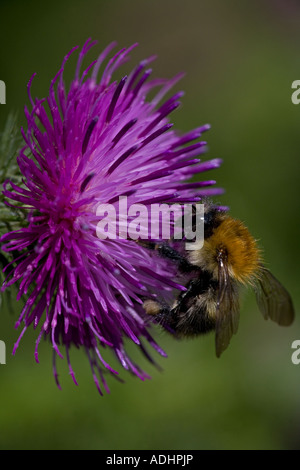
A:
(240, 58)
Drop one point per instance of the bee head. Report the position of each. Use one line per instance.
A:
(213, 217)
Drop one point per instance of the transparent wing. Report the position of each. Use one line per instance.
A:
(273, 299)
(227, 314)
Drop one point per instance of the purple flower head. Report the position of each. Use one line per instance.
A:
(91, 144)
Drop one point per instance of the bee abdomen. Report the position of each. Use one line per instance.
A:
(194, 324)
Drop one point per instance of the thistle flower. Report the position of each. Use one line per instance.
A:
(90, 145)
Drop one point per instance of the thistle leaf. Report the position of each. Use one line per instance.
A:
(10, 218)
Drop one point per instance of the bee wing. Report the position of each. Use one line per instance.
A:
(227, 312)
(273, 299)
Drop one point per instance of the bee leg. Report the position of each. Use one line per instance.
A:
(157, 310)
(166, 251)
(152, 307)
(147, 244)
(164, 315)
(191, 291)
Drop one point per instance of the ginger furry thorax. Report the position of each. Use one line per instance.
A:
(243, 254)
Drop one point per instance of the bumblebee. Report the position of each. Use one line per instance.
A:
(228, 259)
